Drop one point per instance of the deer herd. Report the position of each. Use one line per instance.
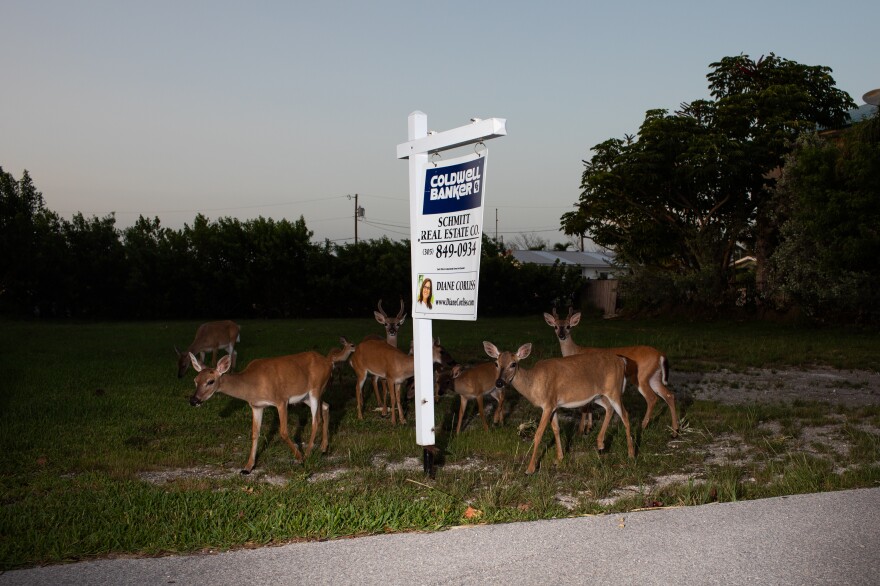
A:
(580, 377)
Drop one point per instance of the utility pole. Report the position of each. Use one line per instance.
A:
(358, 213)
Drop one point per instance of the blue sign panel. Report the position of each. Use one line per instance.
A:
(454, 188)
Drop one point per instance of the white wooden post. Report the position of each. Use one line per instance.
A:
(422, 328)
(417, 150)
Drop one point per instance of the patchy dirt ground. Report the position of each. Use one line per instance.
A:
(849, 388)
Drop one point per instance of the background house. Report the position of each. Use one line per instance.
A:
(593, 265)
(596, 267)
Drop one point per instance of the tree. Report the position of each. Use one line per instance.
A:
(828, 262)
(96, 253)
(30, 240)
(696, 184)
(528, 241)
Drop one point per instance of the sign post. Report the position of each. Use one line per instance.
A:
(446, 216)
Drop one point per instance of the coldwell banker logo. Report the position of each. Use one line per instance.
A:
(454, 188)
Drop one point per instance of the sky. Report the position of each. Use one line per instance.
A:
(289, 109)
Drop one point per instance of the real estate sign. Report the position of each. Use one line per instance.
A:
(448, 239)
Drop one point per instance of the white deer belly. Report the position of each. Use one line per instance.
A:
(576, 404)
(296, 399)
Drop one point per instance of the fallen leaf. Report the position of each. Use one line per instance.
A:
(472, 513)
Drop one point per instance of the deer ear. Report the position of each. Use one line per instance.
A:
(550, 320)
(490, 349)
(195, 362)
(457, 370)
(575, 319)
(223, 364)
(379, 317)
(524, 351)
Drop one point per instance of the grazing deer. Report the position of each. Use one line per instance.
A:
(647, 367)
(475, 383)
(569, 382)
(376, 357)
(213, 336)
(274, 382)
(340, 355)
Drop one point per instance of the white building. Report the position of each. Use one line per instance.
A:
(593, 265)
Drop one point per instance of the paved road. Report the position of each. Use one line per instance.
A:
(831, 538)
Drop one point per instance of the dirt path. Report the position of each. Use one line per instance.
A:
(850, 388)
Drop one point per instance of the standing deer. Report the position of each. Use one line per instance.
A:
(392, 328)
(274, 382)
(475, 383)
(647, 367)
(376, 357)
(213, 336)
(569, 382)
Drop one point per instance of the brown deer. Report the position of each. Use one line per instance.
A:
(213, 336)
(274, 382)
(475, 383)
(392, 327)
(376, 357)
(569, 382)
(647, 367)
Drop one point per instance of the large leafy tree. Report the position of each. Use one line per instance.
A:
(828, 261)
(679, 198)
(31, 247)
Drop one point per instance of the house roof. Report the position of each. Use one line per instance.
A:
(588, 260)
(863, 112)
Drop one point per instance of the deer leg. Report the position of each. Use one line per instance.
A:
(397, 388)
(499, 414)
(647, 392)
(660, 389)
(545, 418)
(461, 413)
(586, 420)
(285, 433)
(379, 401)
(392, 402)
(482, 414)
(325, 420)
(315, 406)
(624, 416)
(358, 391)
(213, 356)
(600, 439)
(256, 423)
(554, 424)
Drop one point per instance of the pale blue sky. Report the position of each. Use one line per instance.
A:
(282, 109)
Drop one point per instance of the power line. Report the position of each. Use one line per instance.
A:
(200, 210)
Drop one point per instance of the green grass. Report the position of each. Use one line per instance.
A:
(88, 410)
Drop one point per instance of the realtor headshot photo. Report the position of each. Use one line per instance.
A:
(426, 293)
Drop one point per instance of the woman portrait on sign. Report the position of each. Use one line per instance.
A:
(426, 293)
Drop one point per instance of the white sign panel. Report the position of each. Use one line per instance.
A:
(448, 239)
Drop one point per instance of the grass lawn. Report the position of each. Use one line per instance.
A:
(102, 453)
